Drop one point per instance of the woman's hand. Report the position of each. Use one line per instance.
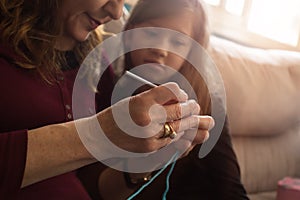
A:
(141, 118)
(190, 138)
(151, 110)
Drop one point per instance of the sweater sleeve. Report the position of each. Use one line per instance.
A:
(13, 150)
(216, 176)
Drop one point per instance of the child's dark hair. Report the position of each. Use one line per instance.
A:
(146, 10)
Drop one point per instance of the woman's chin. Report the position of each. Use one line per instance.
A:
(83, 36)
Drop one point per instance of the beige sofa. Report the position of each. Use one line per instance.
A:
(263, 105)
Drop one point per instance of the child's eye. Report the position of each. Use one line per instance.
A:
(178, 43)
(150, 33)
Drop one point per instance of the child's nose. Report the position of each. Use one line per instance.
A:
(159, 52)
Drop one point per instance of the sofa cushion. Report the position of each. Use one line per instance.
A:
(263, 196)
(262, 87)
(266, 160)
(263, 99)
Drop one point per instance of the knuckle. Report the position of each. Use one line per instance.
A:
(138, 113)
(194, 122)
(139, 100)
(142, 119)
(194, 106)
(173, 86)
(202, 136)
(175, 126)
(191, 123)
(177, 111)
(149, 146)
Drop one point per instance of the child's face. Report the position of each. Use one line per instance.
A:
(162, 64)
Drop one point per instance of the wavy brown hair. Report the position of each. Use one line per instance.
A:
(146, 10)
(30, 29)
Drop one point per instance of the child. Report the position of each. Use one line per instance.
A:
(216, 176)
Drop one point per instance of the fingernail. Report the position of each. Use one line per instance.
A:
(206, 137)
(184, 94)
(211, 124)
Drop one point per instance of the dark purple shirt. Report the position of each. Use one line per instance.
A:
(28, 102)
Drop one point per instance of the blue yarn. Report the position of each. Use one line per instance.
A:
(173, 159)
(168, 177)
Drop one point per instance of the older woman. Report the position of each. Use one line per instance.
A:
(42, 45)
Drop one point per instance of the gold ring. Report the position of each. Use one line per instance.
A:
(169, 131)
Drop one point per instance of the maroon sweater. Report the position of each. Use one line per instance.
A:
(28, 102)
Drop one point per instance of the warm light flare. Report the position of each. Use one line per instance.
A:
(213, 2)
(276, 19)
(235, 7)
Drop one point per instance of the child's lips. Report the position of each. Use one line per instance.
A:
(155, 65)
(153, 62)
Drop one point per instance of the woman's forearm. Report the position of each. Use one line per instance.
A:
(54, 150)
